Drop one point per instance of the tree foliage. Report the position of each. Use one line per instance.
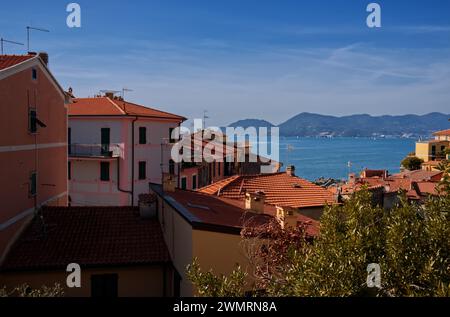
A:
(25, 290)
(412, 163)
(410, 242)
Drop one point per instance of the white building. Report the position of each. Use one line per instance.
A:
(115, 149)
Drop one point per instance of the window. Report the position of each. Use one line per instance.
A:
(104, 285)
(32, 126)
(194, 181)
(142, 170)
(33, 180)
(34, 74)
(142, 135)
(104, 171)
(105, 139)
(183, 183)
(171, 136)
(214, 169)
(69, 170)
(171, 167)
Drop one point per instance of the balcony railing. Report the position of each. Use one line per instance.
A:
(95, 150)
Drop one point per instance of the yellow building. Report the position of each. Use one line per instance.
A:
(434, 150)
(207, 227)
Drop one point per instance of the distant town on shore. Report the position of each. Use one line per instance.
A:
(359, 125)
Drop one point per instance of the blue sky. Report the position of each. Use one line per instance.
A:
(248, 58)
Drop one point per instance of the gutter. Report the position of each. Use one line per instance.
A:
(132, 159)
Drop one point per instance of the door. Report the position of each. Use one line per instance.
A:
(105, 140)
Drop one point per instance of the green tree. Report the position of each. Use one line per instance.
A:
(410, 242)
(412, 163)
(25, 290)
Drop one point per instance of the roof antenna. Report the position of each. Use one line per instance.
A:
(124, 90)
(2, 40)
(28, 34)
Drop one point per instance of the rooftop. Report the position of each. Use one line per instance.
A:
(7, 61)
(280, 189)
(222, 214)
(442, 133)
(105, 106)
(89, 236)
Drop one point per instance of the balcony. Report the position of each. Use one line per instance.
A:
(95, 150)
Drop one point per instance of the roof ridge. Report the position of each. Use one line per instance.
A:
(151, 108)
(116, 105)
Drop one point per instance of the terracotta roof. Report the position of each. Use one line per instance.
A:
(105, 106)
(280, 189)
(419, 175)
(442, 133)
(89, 236)
(7, 61)
(224, 212)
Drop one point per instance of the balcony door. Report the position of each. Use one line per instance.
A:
(106, 139)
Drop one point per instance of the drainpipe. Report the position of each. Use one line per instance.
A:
(132, 160)
(118, 179)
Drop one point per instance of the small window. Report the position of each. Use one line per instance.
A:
(32, 126)
(171, 136)
(142, 170)
(171, 167)
(104, 285)
(194, 181)
(183, 183)
(69, 170)
(104, 171)
(142, 135)
(34, 74)
(33, 180)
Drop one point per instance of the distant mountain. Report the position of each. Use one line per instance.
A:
(360, 125)
(251, 123)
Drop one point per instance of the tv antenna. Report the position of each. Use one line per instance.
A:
(124, 90)
(29, 28)
(205, 116)
(2, 40)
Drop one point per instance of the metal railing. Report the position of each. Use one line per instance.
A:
(94, 150)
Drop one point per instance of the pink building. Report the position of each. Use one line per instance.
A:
(33, 142)
(115, 149)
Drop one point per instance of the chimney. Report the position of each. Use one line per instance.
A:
(44, 57)
(147, 205)
(109, 94)
(287, 217)
(290, 170)
(168, 183)
(255, 201)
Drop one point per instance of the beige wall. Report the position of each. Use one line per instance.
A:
(135, 281)
(220, 252)
(178, 237)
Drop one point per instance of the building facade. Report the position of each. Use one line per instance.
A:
(33, 142)
(115, 149)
